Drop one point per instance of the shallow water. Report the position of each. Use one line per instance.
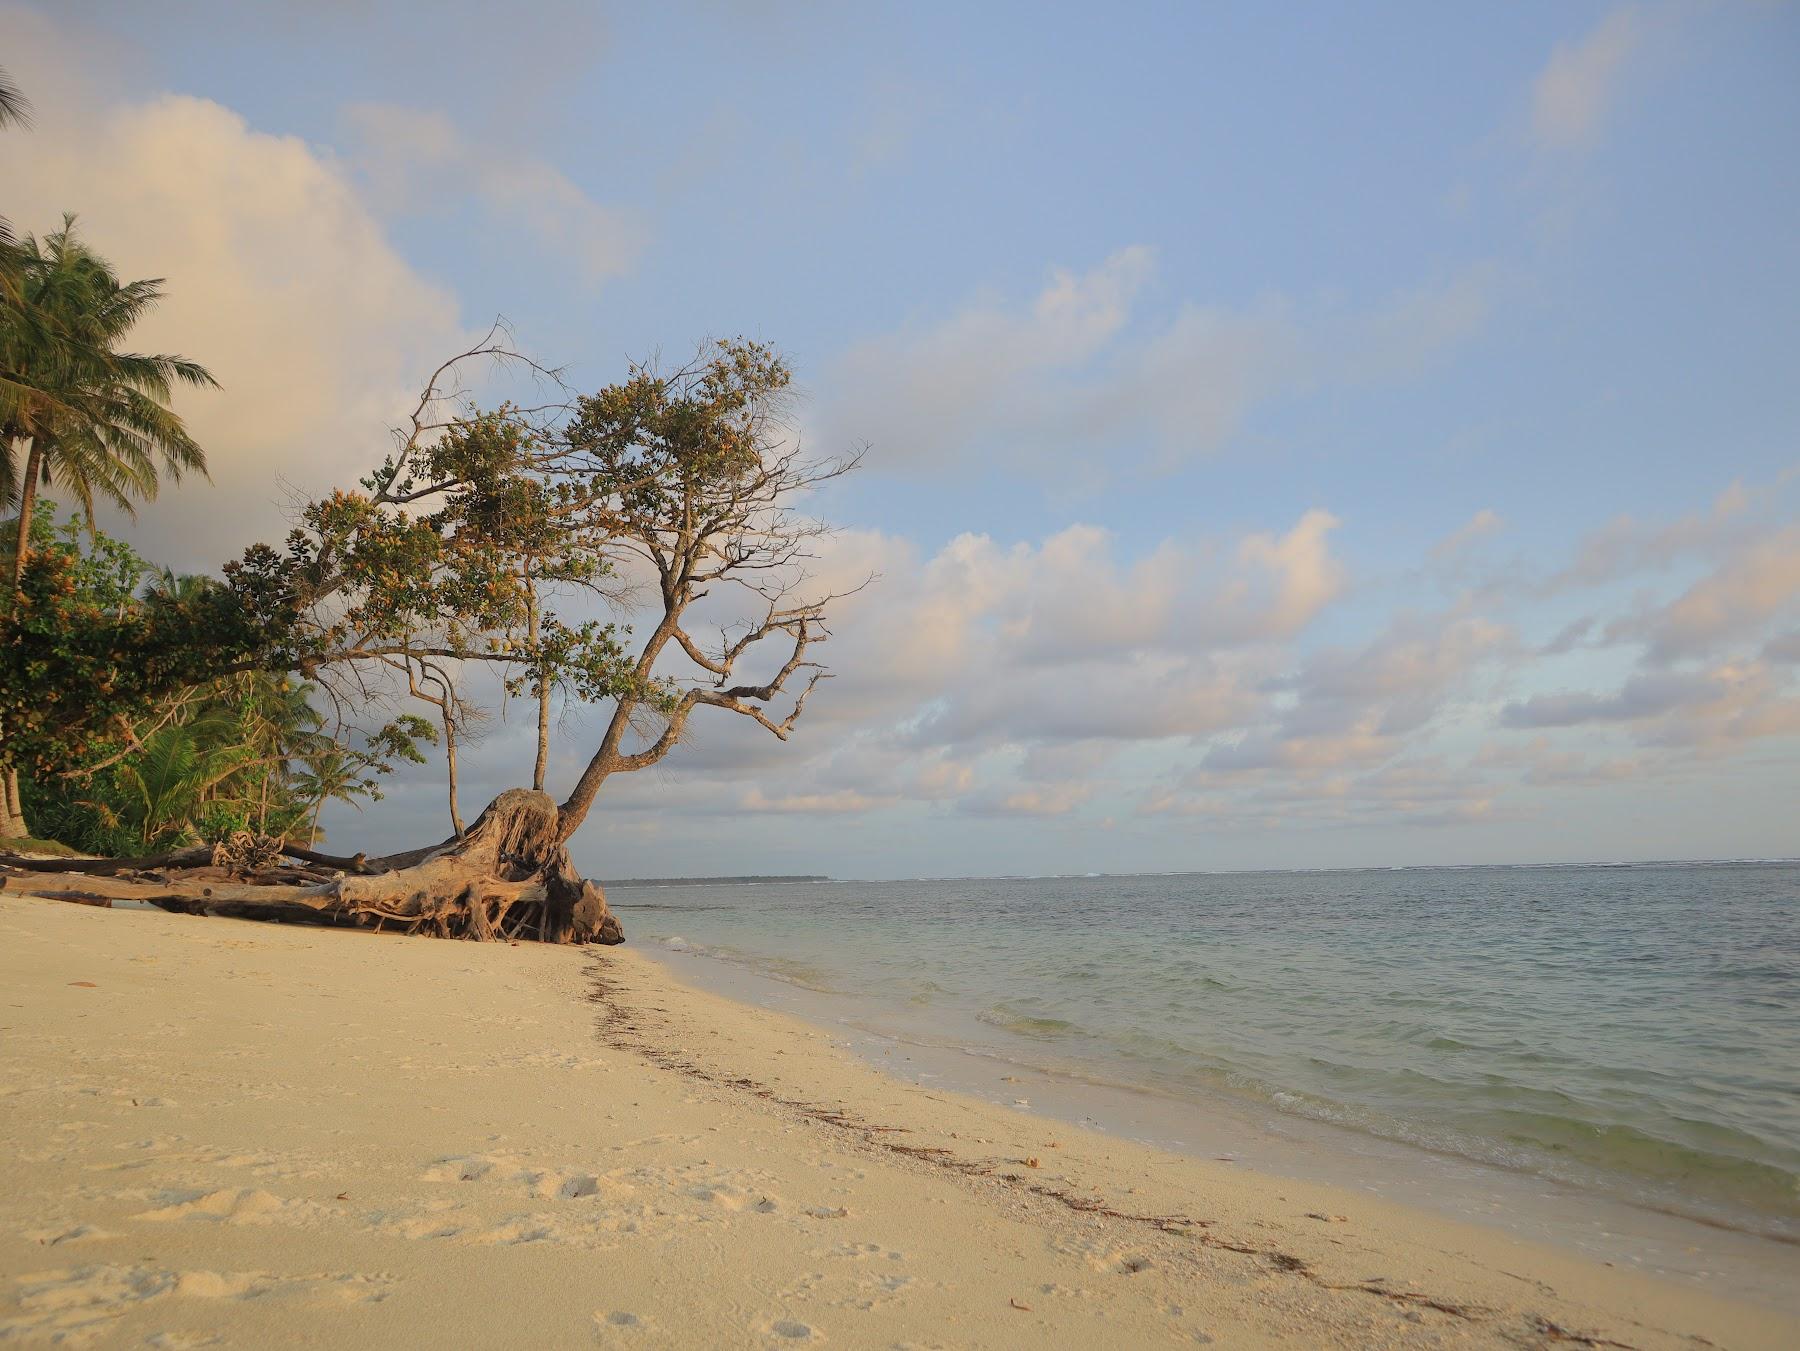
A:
(1633, 1030)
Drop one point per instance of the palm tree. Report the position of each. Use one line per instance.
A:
(331, 774)
(81, 412)
(15, 111)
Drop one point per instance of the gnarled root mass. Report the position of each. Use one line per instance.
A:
(508, 877)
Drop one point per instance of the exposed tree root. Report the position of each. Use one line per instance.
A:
(509, 877)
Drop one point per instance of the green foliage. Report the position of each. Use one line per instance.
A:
(81, 412)
(444, 554)
(118, 699)
(659, 440)
(84, 659)
(153, 710)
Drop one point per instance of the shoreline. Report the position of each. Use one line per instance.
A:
(1536, 1026)
(1711, 1254)
(267, 1135)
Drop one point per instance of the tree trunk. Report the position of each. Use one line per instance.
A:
(541, 766)
(450, 761)
(12, 814)
(543, 739)
(508, 877)
(28, 485)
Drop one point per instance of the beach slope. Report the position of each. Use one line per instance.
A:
(233, 1134)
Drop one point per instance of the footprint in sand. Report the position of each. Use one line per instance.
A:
(858, 1252)
(792, 1330)
(72, 1304)
(470, 1169)
(533, 1229)
(621, 1327)
(80, 1233)
(231, 1205)
(405, 1225)
(567, 1186)
(728, 1197)
(544, 1183)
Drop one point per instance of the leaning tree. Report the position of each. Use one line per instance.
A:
(518, 539)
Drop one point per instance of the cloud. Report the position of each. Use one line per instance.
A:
(1054, 800)
(1209, 685)
(893, 115)
(845, 800)
(1644, 696)
(1063, 641)
(279, 279)
(1478, 527)
(1359, 746)
(1783, 649)
(1426, 793)
(984, 368)
(1361, 706)
(1044, 381)
(1626, 545)
(1760, 582)
(1577, 89)
(1003, 678)
(1721, 708)
(1711, 666)
(1542, 765)
(411, 157)
(1309, 577)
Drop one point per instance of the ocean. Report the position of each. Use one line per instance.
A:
(1633, 1030)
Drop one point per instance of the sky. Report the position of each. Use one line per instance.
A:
(1296, 436)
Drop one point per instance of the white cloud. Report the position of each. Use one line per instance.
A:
(1189, 687)
(1426, 793)
(279, 279)
(1627, 545)
(1577, 89)
(1357, 708)
(1544, 766)
(411, 157)
(1039, 383)
(986, 367)
(845, 800)
(1758, 583)
(1478, 527)
(1718, 708)
(1054, 800)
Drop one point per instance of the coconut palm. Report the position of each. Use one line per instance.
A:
(15, 108)
(15, 111)
(78, 411)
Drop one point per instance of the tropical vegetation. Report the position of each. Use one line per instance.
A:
(141, 711)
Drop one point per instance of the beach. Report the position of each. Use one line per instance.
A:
(237, 1134)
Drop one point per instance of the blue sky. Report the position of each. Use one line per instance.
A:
(1298, 436)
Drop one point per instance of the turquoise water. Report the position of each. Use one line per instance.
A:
(1631, 1029)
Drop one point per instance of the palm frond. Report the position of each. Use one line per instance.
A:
(15, 108)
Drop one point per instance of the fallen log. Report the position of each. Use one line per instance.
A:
(194, 856)
(508, 877)
(357, 863)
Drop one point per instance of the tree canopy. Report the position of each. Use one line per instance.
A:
(557, 549)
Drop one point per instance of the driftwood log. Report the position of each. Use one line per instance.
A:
(508, 877)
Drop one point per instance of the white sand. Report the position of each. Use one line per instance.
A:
(221, 1133)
